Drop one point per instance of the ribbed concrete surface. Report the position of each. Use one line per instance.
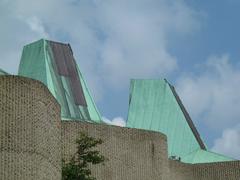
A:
(140, 155)
(132, 154)
(30, 134)
(180, 171)
(217, 171)
(32, 138)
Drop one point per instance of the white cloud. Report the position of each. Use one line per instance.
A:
(15, 32)
(117, 121)
(112, 40)
(36, 25)
(136, 36)
(229, 142)
(213, 95)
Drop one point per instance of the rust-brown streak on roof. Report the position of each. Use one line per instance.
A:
(66, 65)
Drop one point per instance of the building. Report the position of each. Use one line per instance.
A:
(48, 104)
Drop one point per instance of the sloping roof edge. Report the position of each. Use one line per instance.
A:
(2, 72)
(187, 117)
(204, 156)
(61, 85)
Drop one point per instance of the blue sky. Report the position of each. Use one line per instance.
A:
(194, 44)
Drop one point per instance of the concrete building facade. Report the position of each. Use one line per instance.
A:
(30, 130)
(33, 141)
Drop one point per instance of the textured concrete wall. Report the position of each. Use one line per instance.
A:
(204, 171)
(140, 155)
(133, 154)
(180, 171)
(30, 131)
(217, 171)
(32, 138)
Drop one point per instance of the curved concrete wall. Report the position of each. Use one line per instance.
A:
(32, 138)
(132, 154)
(140, 155)
(30, 130)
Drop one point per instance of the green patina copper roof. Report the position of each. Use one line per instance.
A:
(3, 72)
(203, 156)
(154, 105)
(53, 64)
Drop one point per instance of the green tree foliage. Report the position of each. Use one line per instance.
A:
(78, 166)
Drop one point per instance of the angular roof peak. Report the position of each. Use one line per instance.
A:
(155, 105)
(53, 64)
